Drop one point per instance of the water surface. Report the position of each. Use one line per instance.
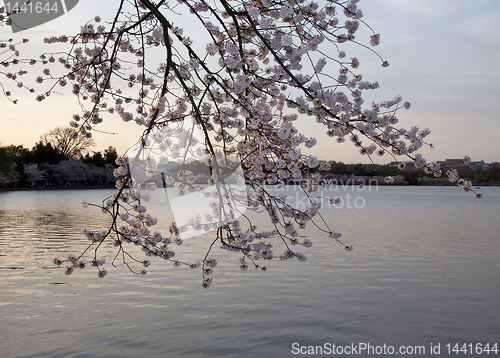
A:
(425, 269)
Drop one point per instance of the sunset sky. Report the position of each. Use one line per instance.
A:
(444, 59)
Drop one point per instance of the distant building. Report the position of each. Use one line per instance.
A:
(408, 164)
(451, 163)
(492, 164)
(479, 164)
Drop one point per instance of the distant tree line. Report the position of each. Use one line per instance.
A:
(410, 175)
(58, 159)
(489, 174)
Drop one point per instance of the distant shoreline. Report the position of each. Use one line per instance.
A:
(100, 187)
(85, 187)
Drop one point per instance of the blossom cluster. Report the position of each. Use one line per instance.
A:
(265, 65)
(10, 57)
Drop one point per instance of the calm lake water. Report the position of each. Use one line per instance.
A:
(425, 270)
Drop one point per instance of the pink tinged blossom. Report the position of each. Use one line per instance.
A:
(212, 49)
(254, 12)
(98, 262)
(232, 48)
(452, 175)
(335, 200)
(342, 79)
(287, 40)
(307, 243)
(72, 258)
(335, 235)
(375, 40)
(206, 282)
(248, 107)
(300, 256)
(286, 11)
(210, 262)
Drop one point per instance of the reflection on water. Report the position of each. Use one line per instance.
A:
(424, 270)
